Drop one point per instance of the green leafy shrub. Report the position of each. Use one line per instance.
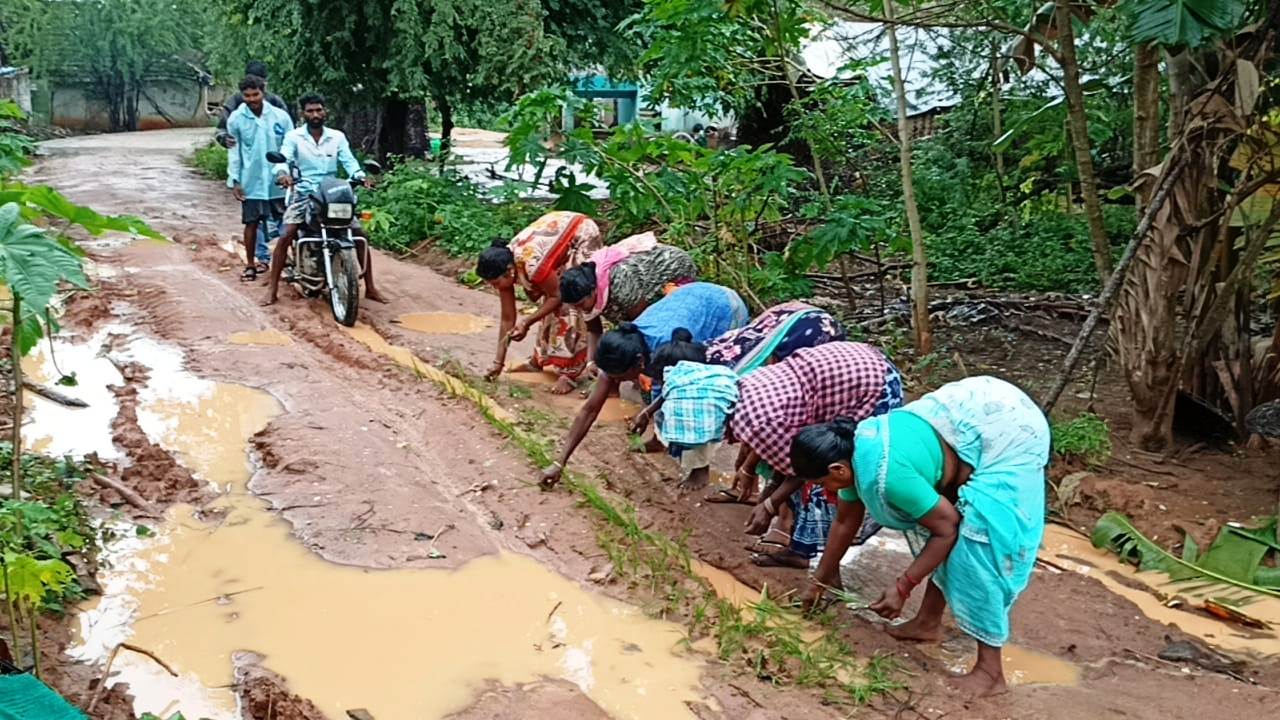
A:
(1085, 436)
(50, 524)
(414, 202)
(211, 161)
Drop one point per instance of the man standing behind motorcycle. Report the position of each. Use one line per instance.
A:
(257, 129)
(317, 151)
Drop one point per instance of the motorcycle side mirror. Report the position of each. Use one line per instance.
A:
(275, 157)
(372, 167)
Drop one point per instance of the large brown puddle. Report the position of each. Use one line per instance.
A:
(443, 323)
(405, 644)
(1074, 552)
(615, 409)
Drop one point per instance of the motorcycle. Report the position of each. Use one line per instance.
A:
(323, 257)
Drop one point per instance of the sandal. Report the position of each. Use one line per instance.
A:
(784, 559)
(250, 274)
(726, 496)
(261, 267)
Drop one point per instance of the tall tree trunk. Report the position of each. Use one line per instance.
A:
(1146, 115)
(391, 131)
(446, 122)
(919, 266)
(1080, 141)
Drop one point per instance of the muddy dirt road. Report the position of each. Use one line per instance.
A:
(379, 545)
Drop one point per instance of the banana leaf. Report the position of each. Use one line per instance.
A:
(1115, 533)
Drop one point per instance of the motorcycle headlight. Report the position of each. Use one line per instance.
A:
(339, 211)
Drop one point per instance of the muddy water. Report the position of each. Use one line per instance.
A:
(1076, 553)
(725, 585)
(444, 323)
(260, 337)
(1022, 666)
(404, 356)
(404, 644)
(615, 409)
(60, 430)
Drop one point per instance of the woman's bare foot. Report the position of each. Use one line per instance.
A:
(374, 295)
(979, 683)
(564, 385)
(917, 629)
(695, 480)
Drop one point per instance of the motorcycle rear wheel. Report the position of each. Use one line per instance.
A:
(344, 296)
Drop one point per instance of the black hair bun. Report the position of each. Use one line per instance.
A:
(681, 335)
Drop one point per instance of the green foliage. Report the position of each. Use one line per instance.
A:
(714, 56)
(1086, 436)
(35, 534)
(712, 203)
(15, 146)
(33, 265)
(116, 46)
(1183, 23)
(1114, 532)
(415, 203)
(211, 161)
(455, 53)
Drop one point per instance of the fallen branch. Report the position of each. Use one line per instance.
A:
(1144, 468)
(54, 396)
(106, 671)
(130, 496)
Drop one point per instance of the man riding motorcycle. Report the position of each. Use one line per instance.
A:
(317, 151)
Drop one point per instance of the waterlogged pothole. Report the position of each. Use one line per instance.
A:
(271, 338)
(56, 429)
(1075, 553)
(444, 323)
(405, 644)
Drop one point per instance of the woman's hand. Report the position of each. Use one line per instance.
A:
(761, 516)
(493, 372)
(889, 606)
(520, 330)
(550, 476)
(639, 422)
(815, 593)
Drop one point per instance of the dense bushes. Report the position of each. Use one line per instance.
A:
(415, 202)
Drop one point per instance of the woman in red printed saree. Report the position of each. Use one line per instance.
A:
(534, 260)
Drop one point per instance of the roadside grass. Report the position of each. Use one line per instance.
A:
(768, 638)
(211, 161)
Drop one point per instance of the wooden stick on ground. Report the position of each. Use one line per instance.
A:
(130, 496)
(106, 671)
(54, 396)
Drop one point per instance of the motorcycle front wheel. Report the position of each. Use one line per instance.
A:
(344, 296)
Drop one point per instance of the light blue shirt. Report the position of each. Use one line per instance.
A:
(256, 135)
(318, 160)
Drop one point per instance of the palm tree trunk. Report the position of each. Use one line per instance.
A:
(919, 265)
(1080, 142)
